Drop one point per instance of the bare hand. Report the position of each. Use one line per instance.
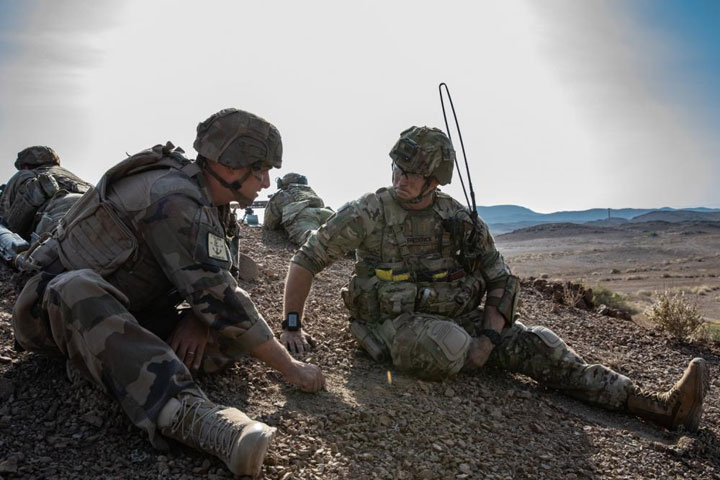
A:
(297, 342)
(189, 340)
(305, 376)
(479, 352)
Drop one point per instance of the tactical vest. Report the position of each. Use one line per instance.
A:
(94, 233)
(414, 269)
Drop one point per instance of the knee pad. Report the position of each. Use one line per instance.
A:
(558, 348)
(429, 345)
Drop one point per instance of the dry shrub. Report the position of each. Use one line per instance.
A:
(572, 294)
(614, 300)
(675, 314)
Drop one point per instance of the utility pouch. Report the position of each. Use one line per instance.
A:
(96, 239)
(361, 298)
(449, 298)
(396, 298)
(368, 341)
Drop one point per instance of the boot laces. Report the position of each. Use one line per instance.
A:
(214, 432)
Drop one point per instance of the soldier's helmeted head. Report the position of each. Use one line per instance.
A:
(425, 151)
(290, 178)
(244, 145)
(236, 139)
(36, 156)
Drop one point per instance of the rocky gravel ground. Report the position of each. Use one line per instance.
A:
(373, 421)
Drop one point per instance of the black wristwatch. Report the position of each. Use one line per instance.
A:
(292, 322)
(491, 335)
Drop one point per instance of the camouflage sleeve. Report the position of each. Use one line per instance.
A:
(189, 245)
(342, 233)
(273, 213)
(491, 263)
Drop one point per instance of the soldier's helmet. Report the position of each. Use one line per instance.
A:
(37, 156)
(426, 151)
(238, 139)
(290, 178)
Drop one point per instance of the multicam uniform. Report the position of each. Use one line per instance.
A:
(412, 301)
(35, 200)
(298, 209)
(145, 239)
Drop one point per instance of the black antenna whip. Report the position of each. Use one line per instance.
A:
(471, 205)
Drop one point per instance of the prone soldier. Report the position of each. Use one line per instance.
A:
(40, 193)
(152, 234)
(423, 267)
(296, 207)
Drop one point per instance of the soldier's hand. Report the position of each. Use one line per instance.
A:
(297, 342)
(306, 377)
(189, 341)
(479, 352)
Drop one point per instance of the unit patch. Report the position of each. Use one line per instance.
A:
(217, 248)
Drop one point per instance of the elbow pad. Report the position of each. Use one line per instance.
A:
(507, 304)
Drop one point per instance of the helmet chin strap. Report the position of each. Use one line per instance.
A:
(234, 187)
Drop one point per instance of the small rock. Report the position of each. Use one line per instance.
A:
(7, 388)
(465, 468)
(4, 359)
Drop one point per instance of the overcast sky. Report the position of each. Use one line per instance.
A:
(564, 105)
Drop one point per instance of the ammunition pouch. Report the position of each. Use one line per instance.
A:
(396, 298)
(450, 299)
(361, 298)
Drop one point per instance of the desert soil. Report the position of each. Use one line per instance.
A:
(373, 421)
(636, 260)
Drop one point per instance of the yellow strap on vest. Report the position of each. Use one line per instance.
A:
(388, 275)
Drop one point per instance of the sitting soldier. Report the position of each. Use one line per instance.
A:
(424, 266)
(40, 193)
(154, 234)
(296, 207)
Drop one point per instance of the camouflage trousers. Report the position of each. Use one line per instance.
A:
(432, 346)
(307, 221)
(83, 317)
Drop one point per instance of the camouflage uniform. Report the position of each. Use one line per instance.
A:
(34, 200)
(145, 239)
(412, 301)
(298, 209)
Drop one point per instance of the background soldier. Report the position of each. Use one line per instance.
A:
(423, 268)
(296, 207)
(153, 233)
(40, 193)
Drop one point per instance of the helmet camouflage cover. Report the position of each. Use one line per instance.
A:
(236, 139)
(36, 156)
(290, 178)
(427, 151)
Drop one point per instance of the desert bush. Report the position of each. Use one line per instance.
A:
(615, 270)
(675, 314)
(617, 301)
(571, 295)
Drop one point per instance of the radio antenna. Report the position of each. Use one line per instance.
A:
(470, 201)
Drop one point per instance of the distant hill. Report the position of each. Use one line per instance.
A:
(506, 218)
(678, 216)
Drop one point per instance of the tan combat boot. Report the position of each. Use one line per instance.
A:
(681, 405)
(222, 431)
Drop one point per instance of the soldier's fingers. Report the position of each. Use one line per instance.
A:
(199, 353)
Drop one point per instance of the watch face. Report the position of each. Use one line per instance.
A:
(292, 320)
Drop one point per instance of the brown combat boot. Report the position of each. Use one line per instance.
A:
(222, 431)
(681, 405)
